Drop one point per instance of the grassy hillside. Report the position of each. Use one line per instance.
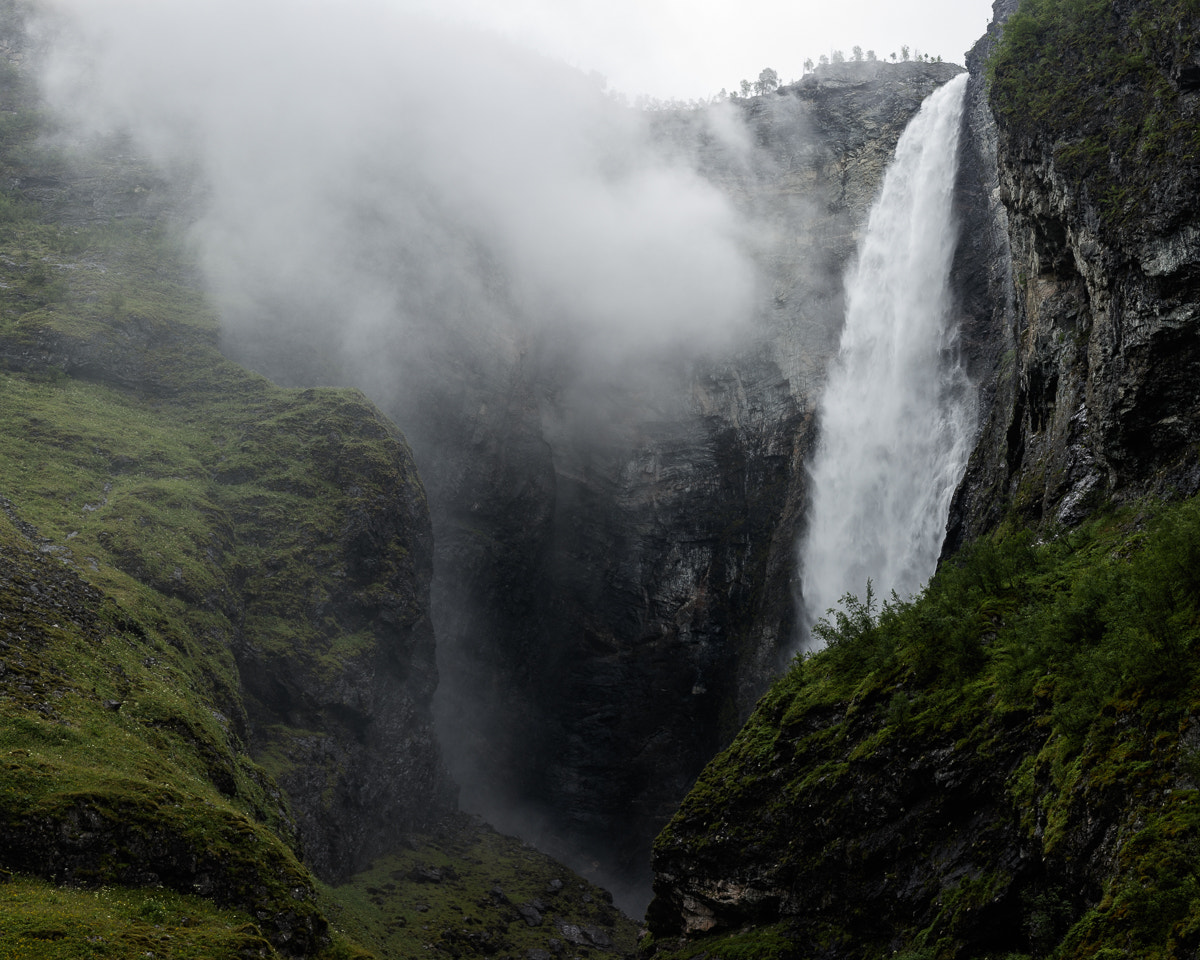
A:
(1005, 767)
(212, 592)
(467, 891)
(122, 723)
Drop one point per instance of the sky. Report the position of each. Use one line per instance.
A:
(686, 50)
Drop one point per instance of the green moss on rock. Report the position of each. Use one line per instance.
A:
(1106, 90)
(1004, 765)
(467, 891)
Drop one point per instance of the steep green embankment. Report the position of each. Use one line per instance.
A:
(122, 721)
(162, 508)
(1007, 767)
(215, 652)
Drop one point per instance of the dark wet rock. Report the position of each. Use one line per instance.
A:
(426, 875)
(532, 915)
(598, 937)
(616, 551)
(1085, 329)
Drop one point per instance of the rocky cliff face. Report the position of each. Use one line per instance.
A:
(616, 553)
(1093, 337)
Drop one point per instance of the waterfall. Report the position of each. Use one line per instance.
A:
(898, 413)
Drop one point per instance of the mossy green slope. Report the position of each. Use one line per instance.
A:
(43, 921)
(124, 791)
(1005, 766)
(116, 767)
(467, 891)
(173, 526)
(279, 537)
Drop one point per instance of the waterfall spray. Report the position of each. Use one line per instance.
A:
(898, 414)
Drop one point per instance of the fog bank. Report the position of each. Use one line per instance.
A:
(520, 270)
(369, 174)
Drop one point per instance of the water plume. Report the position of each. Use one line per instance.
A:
(898, 414)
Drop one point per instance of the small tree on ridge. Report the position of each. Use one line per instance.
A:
(767, 81)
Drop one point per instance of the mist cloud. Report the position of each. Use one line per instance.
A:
(369, 171)
(514, 265)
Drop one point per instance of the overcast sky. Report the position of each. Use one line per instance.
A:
(680, 48)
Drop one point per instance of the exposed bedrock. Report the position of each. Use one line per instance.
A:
(1086, 267)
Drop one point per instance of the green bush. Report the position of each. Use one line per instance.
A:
(1081, 649)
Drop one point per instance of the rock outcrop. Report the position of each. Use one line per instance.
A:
(1091, 297)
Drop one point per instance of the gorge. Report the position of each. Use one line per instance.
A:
(512, 527)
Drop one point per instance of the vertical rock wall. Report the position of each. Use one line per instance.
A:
(616, 555)
(1090, 323)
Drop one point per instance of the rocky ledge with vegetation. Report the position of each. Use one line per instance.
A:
(1004, 768)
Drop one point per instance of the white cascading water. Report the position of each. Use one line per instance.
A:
(898, 415)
